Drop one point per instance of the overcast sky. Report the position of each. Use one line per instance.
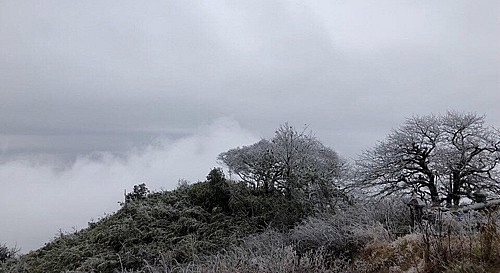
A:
(97, 96)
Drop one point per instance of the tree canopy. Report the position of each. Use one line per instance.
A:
(438, 158)
(293, 163)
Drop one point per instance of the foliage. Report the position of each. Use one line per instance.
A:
(292, 163)
(7, 253)
(434, 157)
(325, 243)
(317, 244)
(140, 192)
(168, 232)
(340, 235)
(469, 244)
(391, 212)
(266, 252)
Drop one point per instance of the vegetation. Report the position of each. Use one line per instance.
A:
(7, 253)
(173, 227)
(438, 158)
(292, 163)
(291, 212)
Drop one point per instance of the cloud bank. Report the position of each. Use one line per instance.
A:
(40, 199)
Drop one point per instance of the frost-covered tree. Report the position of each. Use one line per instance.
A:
(140, 192)
(293, 163)
(435, 157)
(405, 162)
(254, 164)
(7, 253)
(470, 156)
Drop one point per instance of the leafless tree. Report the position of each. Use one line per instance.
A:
(404, 161)
(434, 157)
(470, 154)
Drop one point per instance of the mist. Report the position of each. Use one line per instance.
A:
(40, 199)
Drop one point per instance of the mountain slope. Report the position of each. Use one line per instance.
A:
(177, 225)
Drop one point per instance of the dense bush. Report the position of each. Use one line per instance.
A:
(326, 243)
(266, 252)
(392, 213)
(340, 235)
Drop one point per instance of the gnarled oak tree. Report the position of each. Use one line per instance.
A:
(435, 157)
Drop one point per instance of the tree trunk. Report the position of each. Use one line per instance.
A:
(433, 190)
(456, 189)
(434, 194)
(453, 195)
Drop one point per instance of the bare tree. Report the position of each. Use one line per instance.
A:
(404, 162)
(470, 154)
(434, 157)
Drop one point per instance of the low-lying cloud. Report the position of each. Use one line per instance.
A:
(38, 199)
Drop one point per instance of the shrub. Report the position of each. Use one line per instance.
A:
(7, 253)
(392, 213)
(140, 192)
(340, 235)
(266, 252)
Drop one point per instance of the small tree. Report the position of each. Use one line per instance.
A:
(7, 253)
(216, 176)
(140, 192)
(219, 189)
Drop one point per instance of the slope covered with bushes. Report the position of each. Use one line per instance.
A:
(182, 224)
(224, 226)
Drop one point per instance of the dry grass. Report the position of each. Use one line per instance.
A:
(448, 245)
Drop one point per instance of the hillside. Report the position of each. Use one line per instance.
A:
(225, 226)
(181, 224)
